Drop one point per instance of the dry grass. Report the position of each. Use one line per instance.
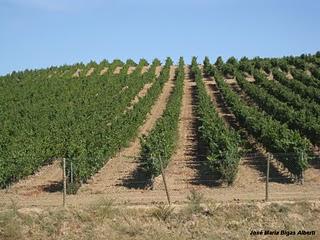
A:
(163, 212)
(194, 202)
(197, 219)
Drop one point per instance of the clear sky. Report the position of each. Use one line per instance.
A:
(41, 33)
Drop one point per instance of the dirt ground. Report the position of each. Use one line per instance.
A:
(49, 175)
(131, 70)
(90, 71)
(181, 170)
(113, 176)
(117, 70)
(104, 71)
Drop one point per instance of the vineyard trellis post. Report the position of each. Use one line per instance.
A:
(302, 174)
(267, 177)
(64, 183)
(71, 172)
(164, 180)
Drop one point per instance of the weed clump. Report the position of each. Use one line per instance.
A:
(163, 212)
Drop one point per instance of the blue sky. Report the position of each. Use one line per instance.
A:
(41, 33)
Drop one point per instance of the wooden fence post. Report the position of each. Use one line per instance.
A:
(71, 172)
(64, 182)
(164, 181)
(267, 177)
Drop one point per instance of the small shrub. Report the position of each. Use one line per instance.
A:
(195, 199)
(219, 63)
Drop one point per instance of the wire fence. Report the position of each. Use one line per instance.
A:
(260, 177)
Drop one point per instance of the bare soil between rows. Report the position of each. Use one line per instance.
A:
(123, 171)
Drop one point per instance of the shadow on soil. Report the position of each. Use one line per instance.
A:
(315, 162)
(137, 180)
(198, 152)
(53, 187)
(259, 162)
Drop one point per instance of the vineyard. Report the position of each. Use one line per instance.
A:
(120, 126)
